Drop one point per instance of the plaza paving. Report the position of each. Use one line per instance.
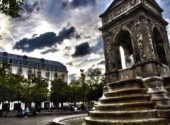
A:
(43, 120)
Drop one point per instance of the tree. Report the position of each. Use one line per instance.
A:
(11, 85)
(96, 82)
(75, 91)
(37, 91)
(59, 92)
(94, 76)
(11, 7)
(3, 82)
(15, 84)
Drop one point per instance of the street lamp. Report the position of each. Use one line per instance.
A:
(83, 82)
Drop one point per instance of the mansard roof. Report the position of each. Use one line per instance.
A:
(35, 62)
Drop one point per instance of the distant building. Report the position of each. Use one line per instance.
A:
(24, 65)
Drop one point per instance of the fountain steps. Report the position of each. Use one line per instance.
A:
(125, 106)
(126, 102)
(124, 115)
(127, 91)
(125, 98)
(126, 82)
(146, 121)
(125, 85)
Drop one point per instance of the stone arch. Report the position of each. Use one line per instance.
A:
(123, 40)
(159, 46)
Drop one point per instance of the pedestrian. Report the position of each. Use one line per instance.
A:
(27, 111)
(34, 112)
(20, 112)
(6, 109)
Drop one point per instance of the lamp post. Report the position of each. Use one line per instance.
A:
(83, 82)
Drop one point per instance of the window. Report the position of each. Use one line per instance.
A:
(19, 62)
(25, 63)
(47, 66)
(34, 64)
(29, 64)
(39, 65)
(55, 67)
(47, 74)
(63, 77)
(15, 61)
(19, 70)
(30, 76)
(55, 75)
(39, 72)
(29, 70)
(10, 61)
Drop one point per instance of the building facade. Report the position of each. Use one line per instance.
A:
(24, 65)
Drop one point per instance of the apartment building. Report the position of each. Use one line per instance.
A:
(24, 65)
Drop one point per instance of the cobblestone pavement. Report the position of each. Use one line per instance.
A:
(43, 120)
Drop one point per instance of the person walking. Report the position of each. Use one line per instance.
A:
(27, 110)
(6, 110)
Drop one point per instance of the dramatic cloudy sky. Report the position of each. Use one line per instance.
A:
(60, 30)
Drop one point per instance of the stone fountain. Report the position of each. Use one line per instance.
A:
(137, 66)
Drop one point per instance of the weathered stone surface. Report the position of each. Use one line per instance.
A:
(137, 66)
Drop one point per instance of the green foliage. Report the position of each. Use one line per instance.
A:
(95, 83)
(11, 7)
(16, 87)
(74, 89)
(10, 85)
(36, 91)
(59, 91)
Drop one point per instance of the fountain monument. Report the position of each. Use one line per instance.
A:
(137, 66)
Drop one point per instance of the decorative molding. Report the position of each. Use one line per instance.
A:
(132, 2)
(151, 7)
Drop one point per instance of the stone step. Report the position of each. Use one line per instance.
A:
(125, 84)
(126, 91)
(124, 115)
(125, 106)
(125, 98)
(147, 121)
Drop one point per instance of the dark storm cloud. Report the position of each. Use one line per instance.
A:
(78, 3)
(45, 40)
(82, 50)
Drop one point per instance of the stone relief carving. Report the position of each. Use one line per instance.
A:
(132, 2)
(151, 7)
(120, 9)
(140, 39)
(150, 39)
